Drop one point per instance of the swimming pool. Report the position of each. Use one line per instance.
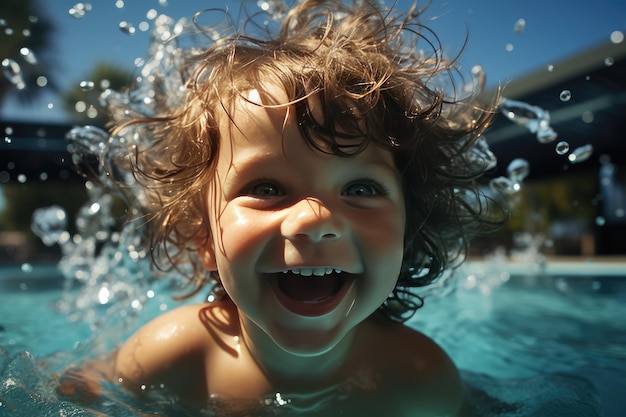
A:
(530, 342)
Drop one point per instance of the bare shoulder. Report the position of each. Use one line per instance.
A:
(419, 374)
(169, 349)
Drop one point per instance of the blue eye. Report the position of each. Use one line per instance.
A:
(266, 190)
(364, 189)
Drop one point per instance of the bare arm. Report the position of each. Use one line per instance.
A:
(166, 353)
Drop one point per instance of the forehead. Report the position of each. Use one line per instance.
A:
(263, 120)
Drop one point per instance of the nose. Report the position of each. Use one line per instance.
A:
(309, 219)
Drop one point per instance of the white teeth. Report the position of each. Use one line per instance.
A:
(318, 272)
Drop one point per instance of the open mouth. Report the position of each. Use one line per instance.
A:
(311, 292)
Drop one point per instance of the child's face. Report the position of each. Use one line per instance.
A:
(285, 218)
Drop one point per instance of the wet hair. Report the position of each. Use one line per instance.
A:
(376, 87)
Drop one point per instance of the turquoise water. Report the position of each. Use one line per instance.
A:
(529, 346)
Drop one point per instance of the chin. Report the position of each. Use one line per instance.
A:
(308, 343)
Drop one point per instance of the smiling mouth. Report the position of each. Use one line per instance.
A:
(311, 292)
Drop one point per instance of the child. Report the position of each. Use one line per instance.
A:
(318, 176)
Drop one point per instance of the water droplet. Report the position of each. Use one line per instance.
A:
(600, 221)
(565, 95)
(617, 36)
(534, 118)
(42, 81)
(127, 27)
(502, 185)
(620, 212)
(520, 25)
(517, 170)
(13, 73)
(26, 267)
(546, 135)
(21, 178)
(79, 10)
(609, 61)
(562, 148)
(7, 140)
(580, 154)
(550, 68)
(587, 117)
(92, 112)
(86, 85)
(104, 295)
(49, 224)
(28, 56)
(80, 106)
(119, 4)
(509, 47)
(522, 113)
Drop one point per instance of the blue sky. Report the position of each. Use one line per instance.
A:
(554, 30)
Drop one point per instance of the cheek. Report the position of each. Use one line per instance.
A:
(239, 233)
(384, 231)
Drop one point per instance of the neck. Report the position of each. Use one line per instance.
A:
(282, 367)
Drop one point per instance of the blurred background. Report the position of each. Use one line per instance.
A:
(568, 60)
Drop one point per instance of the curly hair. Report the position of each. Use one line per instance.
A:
(376, 89)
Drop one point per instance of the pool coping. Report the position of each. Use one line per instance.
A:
(573, 267)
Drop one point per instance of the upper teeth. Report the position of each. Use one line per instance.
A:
(307, 272)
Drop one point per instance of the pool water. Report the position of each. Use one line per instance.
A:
(532, 345)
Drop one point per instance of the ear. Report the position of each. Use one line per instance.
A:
(206, 253)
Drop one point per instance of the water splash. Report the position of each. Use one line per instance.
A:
(534, 118)
(518, 169)
(503, 186)
(275, 8)
(13, 73)
(28, 55)
(50, 225)
(580, 154)
(481, 153)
